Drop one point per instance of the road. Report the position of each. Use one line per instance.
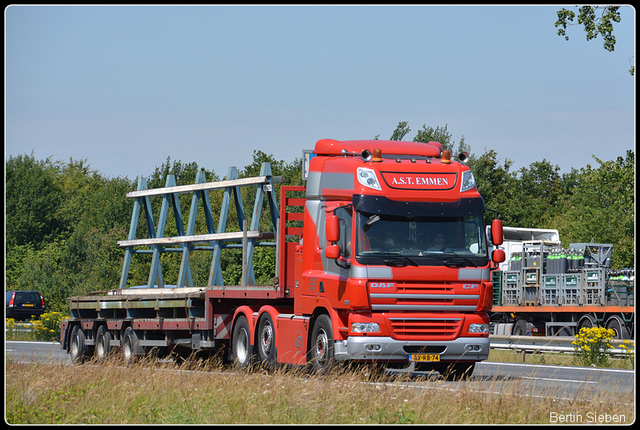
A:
(545, 381)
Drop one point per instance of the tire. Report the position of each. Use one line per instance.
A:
(241, 351)
(456, 371)
(77, 345)
(103, 343)
(586, 321)
(131, 349)
(616, 323)
(321, 352)
(522, 328)
(266, 341)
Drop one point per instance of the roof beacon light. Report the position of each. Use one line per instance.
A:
(446, 157)
(377, 155)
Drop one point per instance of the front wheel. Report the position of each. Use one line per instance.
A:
(321, 353)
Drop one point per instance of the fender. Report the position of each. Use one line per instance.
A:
(324, 306)
(249, 315)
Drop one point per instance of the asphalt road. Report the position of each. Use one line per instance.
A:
(545, 381)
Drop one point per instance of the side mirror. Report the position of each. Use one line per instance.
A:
(332, 252)
(498, 255)
(332, 227)
(496, 232)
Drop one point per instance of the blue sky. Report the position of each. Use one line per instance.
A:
(125, 87)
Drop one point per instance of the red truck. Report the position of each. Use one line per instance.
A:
(382, 257)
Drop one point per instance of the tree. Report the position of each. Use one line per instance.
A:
(33, 197)
(429, 134)
(601, 208)
(401, 131)
(593, 25)
(438, 134)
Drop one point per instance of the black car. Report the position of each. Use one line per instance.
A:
(22, 305)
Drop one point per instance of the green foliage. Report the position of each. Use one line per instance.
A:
(33, 197)
(401, 131)
(604, 197)
(438, 134)
(593, 25)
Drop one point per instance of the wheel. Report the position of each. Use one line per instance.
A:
(522, 328)
(266, 341)
(241, 344)
(77, 345)
(131, 348)
(586, 321)
(103, 343)
(321, 353)
(617, 324)
(456, 371)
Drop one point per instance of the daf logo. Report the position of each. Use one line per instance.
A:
(382, 285)
(470, 286)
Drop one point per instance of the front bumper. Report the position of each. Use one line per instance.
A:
(386, 348)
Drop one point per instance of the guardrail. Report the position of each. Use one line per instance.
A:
(546, 344)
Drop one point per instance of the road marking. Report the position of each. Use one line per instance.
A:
(578, 381)
(547, 366)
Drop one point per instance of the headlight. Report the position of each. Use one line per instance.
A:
(368, 178)
(468, 181)
(479, 328)
(365, 327)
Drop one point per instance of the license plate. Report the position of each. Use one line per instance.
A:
(424, 357)
(27, 305)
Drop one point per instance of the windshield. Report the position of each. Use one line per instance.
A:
(419, 233)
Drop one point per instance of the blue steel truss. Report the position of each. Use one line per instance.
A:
(215, 239)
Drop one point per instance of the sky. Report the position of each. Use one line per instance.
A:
(125, 87)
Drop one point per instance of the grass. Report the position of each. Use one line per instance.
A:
(207, 393)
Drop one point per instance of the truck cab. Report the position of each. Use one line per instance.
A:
(394, 248)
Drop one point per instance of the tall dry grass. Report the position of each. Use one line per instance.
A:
(196, 392)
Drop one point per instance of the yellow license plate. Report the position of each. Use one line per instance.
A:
(27, 305)
(424, 357)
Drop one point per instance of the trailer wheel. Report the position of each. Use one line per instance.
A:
(586, 321)
(321, 351)
(241, 344)
(103, 343)
(522, 328)
(266, 341)
(131, 349)
(616, 324)
(77, 345)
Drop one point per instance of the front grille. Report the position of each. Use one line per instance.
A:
(423, 298)
(407, 328)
